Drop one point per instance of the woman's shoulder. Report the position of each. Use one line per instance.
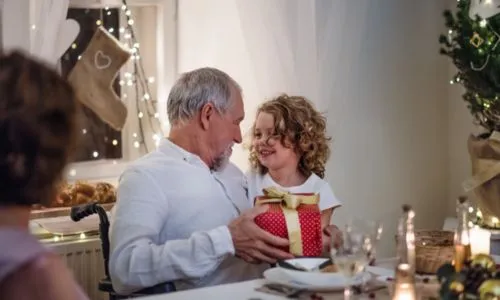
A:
(45, 275)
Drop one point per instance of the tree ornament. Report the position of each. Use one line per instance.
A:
(484, 8)
(476, 40)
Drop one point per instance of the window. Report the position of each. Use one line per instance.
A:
(98, 140)
(105, 152)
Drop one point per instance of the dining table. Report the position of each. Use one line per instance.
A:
(253, 290)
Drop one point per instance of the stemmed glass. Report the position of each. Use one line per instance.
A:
(356, 251)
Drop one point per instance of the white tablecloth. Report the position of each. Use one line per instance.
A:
(246, 290)
(234, 291)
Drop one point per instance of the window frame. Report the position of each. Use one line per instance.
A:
(166, 49)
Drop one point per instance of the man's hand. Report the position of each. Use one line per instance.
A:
(332, 236)
(252, 243)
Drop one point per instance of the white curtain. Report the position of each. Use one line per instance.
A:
(300, 47)
(281, 45)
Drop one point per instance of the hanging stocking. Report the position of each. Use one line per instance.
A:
(93, 75)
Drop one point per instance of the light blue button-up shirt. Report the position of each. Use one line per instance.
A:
(170, 223)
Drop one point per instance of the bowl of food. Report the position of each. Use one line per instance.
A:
(314, 271)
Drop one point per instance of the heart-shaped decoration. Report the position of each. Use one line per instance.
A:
(101, 61)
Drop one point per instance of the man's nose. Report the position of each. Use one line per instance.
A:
(238, 138)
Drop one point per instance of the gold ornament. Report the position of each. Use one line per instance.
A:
(457, 287)
(476, 40)
(490, 290)
(484, 261)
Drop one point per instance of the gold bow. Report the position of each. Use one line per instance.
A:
(290, 200)
(289, 204)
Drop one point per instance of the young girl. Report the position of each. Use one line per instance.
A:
(289, 151)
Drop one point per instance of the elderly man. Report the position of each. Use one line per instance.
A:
(182, 213)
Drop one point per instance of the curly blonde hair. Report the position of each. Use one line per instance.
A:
(301, 127)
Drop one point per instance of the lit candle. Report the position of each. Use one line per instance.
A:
(404, 285)
(404, 291)
(479, 240)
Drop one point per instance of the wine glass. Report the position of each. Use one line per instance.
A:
(356, 251)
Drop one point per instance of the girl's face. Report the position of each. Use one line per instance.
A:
(271, 153)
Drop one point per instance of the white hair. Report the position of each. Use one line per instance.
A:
(196, 88)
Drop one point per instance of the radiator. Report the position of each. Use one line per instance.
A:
(84, 258)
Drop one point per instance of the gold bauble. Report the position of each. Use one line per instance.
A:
(457, 287)
(485, 261)
(490, 290)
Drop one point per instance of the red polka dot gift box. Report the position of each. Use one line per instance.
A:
(293, 216)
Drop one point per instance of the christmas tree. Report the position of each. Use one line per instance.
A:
(472, 43)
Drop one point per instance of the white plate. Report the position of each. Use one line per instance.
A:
(313, 277)
(380, 271)
(276, 275)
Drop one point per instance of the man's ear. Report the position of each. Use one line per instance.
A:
(206, 113)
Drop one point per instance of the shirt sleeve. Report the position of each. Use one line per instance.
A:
(138, 259)
(327, 198)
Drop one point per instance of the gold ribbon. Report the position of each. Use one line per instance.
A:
(289, 204)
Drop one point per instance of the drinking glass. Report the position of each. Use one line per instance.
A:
(356, 251)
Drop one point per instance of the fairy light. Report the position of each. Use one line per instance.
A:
(98, 22)
(483, 23)
(114, 142)
(136, 144)
(95, 154)
(146, 96)
(73, 46)
(151, 79)
(140, 115)
(84, 131)
(72, 172)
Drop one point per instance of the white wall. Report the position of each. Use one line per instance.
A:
(373, 65)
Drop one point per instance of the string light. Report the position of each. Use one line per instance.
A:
(483, 23)
(95, 154)
(72, 173)
(84, 131)
(73, 46)
(33, 27)
(140, 115)
(98, 22)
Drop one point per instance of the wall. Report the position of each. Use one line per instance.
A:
(372, 65)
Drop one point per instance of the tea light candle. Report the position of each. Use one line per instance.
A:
(404, 291)
(479, 240)
(404, 287)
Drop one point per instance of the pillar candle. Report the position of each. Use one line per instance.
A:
(479, 240)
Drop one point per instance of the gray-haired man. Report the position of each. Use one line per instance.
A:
(182, 213)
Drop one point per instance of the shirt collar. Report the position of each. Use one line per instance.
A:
(171, 149)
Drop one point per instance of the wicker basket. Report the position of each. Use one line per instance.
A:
(433, 249)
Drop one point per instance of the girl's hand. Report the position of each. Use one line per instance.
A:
(332, 236)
